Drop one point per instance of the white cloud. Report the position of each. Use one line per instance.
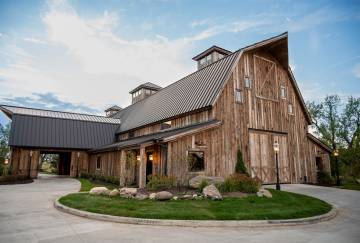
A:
(86, 62)
(34, 40)
(356, 70)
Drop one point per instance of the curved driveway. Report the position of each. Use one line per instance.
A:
(27, 215)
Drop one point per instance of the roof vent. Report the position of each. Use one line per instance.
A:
(143, 91)
(210, 55)
(112, 110)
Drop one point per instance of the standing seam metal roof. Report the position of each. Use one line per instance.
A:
(195, 91)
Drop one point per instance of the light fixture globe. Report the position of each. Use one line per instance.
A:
(276, 146)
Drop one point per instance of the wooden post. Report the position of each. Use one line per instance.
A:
(122, 168)
(142, 168)
(34, 164)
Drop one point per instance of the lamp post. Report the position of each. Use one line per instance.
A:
(77, 164)
(336, 155)
(276, 150)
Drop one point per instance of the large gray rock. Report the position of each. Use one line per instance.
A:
(196, 181)
(163, 195)
(114, 193)
(128, 191)
(264, 193)
(99, 191)
(212, 192)
(152, 195)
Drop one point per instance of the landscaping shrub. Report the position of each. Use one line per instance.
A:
(240, 166)
(324, 178)
(240, 183)
(108, 179)
(202, 185)
(158, 182)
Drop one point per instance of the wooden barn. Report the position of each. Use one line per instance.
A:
(247, 100)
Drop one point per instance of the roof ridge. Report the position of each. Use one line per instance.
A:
(68, 112)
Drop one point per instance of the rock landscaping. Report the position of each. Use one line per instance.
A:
(264, 193)
(114, 193)
(99, 191)
(212, 192)
(197, 180)
(163, 195)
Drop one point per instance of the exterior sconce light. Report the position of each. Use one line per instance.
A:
(276, 150)
(151, 157)
(31, 153)
(336, 155)
(138, 157)
(6, 161)
(78, 154)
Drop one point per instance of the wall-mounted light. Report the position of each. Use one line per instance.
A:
(151, 157)
(138, 157)
(31, 153)
(6, 161)
(78, 154)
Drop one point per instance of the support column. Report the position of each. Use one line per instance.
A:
(122, 168)
(142, 168)
(34, 163)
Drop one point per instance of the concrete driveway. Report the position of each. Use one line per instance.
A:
(27, 215)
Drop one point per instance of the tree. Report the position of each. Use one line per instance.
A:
(350, 123)
(240, 166)
(326, 119)
(4, 141)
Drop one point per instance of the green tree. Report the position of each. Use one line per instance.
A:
(240, 166)
(349, 129)
(4, 140)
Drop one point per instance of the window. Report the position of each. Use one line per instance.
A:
(283, 92)
(247, 82)
(165, 125)
(147, 91)
(238, 96)
(208, 58)
(196, 161)
(131, 134)
(290, 109)
(202, 61)
(98, 163)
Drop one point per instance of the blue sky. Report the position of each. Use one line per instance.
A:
(84, 56)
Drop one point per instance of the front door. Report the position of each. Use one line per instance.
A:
(149, 165)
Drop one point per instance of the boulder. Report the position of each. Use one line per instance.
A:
(99, 191)
(358, 181)
(264, 193)
(114, 193)
(163, 195)
(175, 198)
(196, 181)
(212, 192)
(152, 195)
(128, 191)
(141, 196)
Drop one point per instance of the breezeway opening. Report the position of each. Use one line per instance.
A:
(57, 163)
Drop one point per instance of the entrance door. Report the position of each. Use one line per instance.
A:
(149, 165)
(64, 163)
(262, 157)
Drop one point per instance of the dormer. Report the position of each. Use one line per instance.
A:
(143, 91)
(210, 55)
(112, 110)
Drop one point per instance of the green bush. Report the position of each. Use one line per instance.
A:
(240, 183)
(108, 179)
(202, 185)
(240, 166)
(324, 178)
(158, 182)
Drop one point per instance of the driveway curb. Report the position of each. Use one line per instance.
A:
(198, 223)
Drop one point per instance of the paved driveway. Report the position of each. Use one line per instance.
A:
(27, 215)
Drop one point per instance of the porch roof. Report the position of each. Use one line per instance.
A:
(163, 136)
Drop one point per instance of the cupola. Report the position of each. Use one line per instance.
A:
(143, 91)
(112, 110)
(210, 55)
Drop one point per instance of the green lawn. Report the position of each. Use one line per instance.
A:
(350, 186)
(87, 184)
(283, 205)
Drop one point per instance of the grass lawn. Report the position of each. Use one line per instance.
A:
(87, 184)
(283, 205)
(350, 186)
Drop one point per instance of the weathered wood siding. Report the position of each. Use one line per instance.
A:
(110, 163)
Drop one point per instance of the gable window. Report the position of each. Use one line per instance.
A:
(131, 134)
(238, 96)
(165, 125)
(98, 163)
(247, 82)
(290, 109)
(282, 92)
(196, 161)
